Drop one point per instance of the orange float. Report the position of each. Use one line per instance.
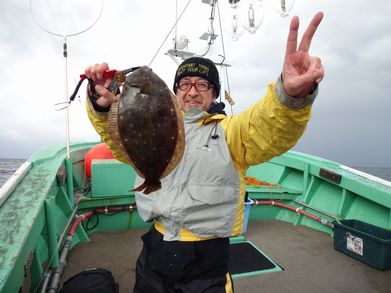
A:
(99, 151)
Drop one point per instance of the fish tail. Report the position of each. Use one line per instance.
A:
(148, 187)
(152, 188)
(139, 188)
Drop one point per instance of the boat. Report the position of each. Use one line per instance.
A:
(320, 226)
(311, 224)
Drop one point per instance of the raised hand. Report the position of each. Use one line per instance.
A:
(301, 72)
(101, 82)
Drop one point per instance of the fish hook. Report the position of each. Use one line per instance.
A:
(221, 63)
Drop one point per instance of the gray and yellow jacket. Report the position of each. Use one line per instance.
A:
(203, 197)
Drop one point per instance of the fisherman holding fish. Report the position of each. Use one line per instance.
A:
(200, 203)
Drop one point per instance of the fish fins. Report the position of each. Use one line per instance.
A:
(148, 187)
(180, 143)
(112, 128)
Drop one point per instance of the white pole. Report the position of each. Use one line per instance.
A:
(65, 53)
(66, 64)
(13, 181)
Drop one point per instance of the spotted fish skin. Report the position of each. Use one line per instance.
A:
(146, 124)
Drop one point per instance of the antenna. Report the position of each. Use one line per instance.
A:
(65, 55)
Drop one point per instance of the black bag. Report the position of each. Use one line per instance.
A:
(91, 280)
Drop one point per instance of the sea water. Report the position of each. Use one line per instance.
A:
(383, 173)
(9, 166)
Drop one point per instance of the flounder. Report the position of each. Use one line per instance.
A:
(146, 124)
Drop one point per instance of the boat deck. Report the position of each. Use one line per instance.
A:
(309, 260)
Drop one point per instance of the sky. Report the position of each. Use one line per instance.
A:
(351, 119)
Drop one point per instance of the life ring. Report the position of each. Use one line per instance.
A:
(99, 151)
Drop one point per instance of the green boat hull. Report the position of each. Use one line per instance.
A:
(38, 207)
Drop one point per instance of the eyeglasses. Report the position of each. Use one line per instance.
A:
(200, 86)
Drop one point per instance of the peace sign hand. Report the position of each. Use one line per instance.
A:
(301, 72)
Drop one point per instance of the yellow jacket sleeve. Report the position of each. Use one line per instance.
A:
(267, 129)
(99, 122)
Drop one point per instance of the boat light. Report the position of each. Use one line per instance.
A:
(283, 7)
(251, 14)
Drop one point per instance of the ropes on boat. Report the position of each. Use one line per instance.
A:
(165, 39)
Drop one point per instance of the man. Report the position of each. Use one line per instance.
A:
(201, 202)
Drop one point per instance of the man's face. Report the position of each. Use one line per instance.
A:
(200, 95)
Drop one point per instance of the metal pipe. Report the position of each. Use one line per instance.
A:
(48, 275)
(315, 209)
(55, 281)
(46, 280)
(62, 236)
(55, 275)
(294, 209)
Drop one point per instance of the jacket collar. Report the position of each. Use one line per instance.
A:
(201, 117)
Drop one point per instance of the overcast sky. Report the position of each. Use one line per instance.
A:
(351, 119)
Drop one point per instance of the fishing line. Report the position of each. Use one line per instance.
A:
(224, 68)
(58, 34)
(51, 13)
(212, 30)
(222, 45)
(221, 33)
(174, 26)
(65, 55)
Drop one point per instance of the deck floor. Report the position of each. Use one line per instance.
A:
(309, 260)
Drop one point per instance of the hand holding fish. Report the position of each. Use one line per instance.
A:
(301, 72)
(144, 121)
(96, 73)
